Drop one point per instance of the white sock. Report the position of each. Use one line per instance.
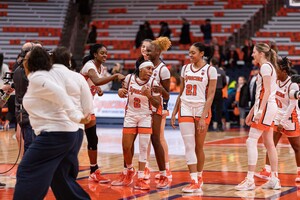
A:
(298, 169)
(200, 174)
(250, 175)
(147, 164)
(164, 173)
(140, 174)
(268, 168)
(167, 165)
(194, 176)
(125, 171)
(274, 174)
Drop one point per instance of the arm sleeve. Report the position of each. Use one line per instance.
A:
(47, 89)
(212, 73)
(165, 73)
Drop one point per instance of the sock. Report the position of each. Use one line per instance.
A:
(268, 168)
(298, 170)
(164, 173)
(129, 167)
(140, 174)
(274, 174)
(200, 174)
(93, 168)
(250, 175)
(125, 171)
(147, 164)
(194, 176)
(167, 165)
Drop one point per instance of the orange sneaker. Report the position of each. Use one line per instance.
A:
(141, 185)
(163, 182)
(168, 172)
(129, 177)
(264, 174)
(119, 180)
(96, 176)
(193, 187)
(200, 181)
(147, 173)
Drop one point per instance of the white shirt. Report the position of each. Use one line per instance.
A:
(4, 69)
(48, 105)
(77, 88)
(196, 83)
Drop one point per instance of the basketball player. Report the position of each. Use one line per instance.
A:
(287, 118)
(261, 117)
(92, 70)
(197, 89)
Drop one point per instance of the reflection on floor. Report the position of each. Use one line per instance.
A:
(225, 166)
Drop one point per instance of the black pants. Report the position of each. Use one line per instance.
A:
(217, 107)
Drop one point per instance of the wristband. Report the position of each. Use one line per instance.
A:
(165, 104)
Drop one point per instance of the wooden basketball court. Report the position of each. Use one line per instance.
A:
(225, 167)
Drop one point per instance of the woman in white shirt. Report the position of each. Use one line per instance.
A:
(55, 119)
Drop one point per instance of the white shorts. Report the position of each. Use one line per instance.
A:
(267, 119)
(137, 124)
(189, 114)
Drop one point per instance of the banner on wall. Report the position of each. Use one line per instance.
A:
(111, 105)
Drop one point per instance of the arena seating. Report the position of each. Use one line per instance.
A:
(22, 21)
(284, 29)
(118, 21)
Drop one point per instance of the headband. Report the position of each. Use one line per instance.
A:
(146, 64)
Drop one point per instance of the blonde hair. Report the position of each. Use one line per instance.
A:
(270, 54)
(163, 43)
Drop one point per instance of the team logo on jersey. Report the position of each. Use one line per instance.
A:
(154, 74)
(202, 72)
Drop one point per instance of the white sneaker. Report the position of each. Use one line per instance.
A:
(273, 183)
(245, 185)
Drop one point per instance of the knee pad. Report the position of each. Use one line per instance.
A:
(188, 135)
(143, 147)
(92, 138)
(252, 150)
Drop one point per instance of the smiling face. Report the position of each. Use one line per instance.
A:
(195, 55)
(144, 47)
(152, 52)
(146, 73)
(101, 55)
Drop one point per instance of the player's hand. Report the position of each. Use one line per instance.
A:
(122, 92)
(173, 120)
(86, 119)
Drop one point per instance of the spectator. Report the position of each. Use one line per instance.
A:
(116, 85)
(232, 57)
(3, 69)
(165, 31)
(217, 105)
(206, 30)
(185, 32)
(148, 30)
(92, 38)
(242, 99)
(140, 36)
(84, 10)
(252, 84)
(247, 53)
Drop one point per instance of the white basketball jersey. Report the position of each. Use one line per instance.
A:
(282, 98)
(196, 83)
(266, 69)
(137, 103)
